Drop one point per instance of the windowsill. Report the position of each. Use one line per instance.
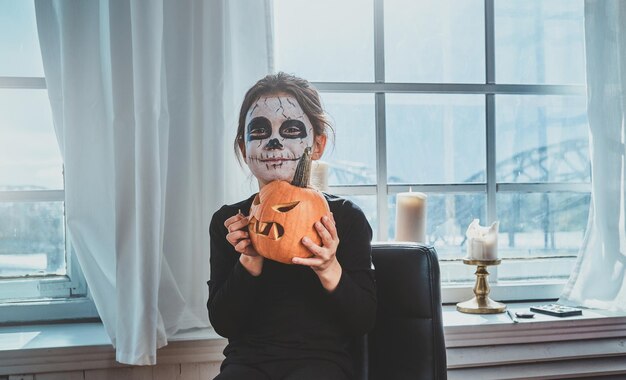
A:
(463, 330)
(79, 346)
(82, 346)
(492, 346)
(50, 310)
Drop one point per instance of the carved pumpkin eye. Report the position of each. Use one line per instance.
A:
(285, 206)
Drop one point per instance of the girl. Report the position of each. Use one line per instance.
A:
(288, 321)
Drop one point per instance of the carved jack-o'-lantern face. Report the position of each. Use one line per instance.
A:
(280, 216)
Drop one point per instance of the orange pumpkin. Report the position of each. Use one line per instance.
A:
(282, 213)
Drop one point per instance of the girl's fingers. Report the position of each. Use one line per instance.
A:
(241, 223)
(242, 246)
(235, 237)
(329, 223)
(311, 262)
(327, 239)
(236, 222)
(232, 219)
(314, 248)
(328, 232)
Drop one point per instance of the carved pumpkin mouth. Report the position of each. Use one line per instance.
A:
(270, 230)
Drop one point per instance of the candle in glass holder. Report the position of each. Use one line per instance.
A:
(411, 217)
(319, 175)
(482, 242)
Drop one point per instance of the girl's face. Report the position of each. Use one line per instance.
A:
(277, 132)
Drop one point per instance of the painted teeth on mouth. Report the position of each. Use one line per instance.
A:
(276, 158)
(263, 158)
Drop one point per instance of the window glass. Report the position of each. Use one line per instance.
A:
(352, 154)
(424, 40)
(19, 42)
(32, 222)
(32, 239)
(541, 224)
(434, 138)
(540, 234)
(536, 270)
(539, 41)
(325, 40)
(542, 139)
(29, 152)
(457, 273)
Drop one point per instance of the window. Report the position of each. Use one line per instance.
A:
(481, 104)
(35, 263)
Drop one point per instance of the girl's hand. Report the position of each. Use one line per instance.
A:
(324, 261)
(239, 238)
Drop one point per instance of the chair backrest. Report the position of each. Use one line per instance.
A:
(407, 339)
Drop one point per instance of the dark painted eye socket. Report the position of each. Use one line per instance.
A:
(285, 206)
(259, 128)
(293, 129)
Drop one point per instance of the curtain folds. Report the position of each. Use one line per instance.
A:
(598, 279)
(144, 98)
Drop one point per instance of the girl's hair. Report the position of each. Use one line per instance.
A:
(306, 95)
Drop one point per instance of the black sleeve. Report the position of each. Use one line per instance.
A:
(354, 299)
(232, 290)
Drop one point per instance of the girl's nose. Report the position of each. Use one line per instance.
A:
(274, 144)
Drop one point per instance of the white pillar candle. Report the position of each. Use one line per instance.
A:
(411, 217)
(319, 175)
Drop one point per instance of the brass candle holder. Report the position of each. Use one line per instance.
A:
(481, 303)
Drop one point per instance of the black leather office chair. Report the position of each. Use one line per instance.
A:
(407, 340)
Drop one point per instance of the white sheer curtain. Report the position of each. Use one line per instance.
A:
(144, 97)
(598, 280)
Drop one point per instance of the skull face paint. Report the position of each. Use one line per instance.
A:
(277, 132)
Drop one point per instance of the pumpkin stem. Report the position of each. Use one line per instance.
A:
(303, 170)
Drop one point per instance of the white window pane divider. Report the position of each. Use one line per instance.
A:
(490, 42)
(379, 41)
(463, 188)
(20, 289)
(68, 309)
(438, 188)
(381, 167)
(544, 187)
(23, 82)
(381, 122)
(490, 135)
(353, 190)
(33, 196)
(452, 88)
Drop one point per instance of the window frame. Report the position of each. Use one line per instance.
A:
(46, 298)
(548, 289)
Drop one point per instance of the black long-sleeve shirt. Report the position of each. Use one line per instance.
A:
(285, 313)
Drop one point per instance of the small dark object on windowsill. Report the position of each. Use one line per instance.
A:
(557, 310)
(524, 314)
